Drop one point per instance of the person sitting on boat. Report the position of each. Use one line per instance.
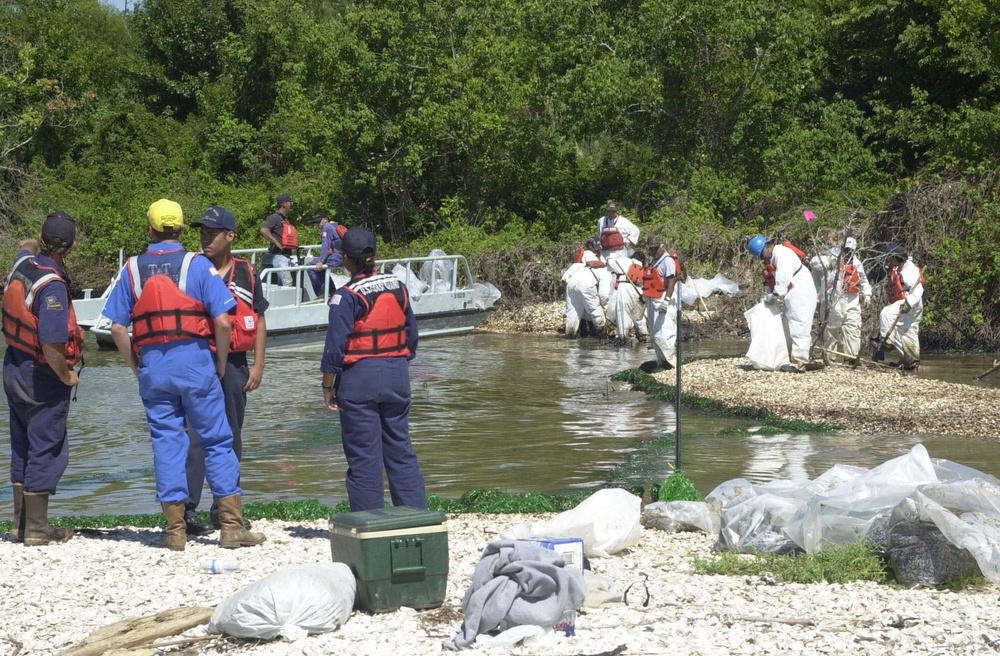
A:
(659, 291)
(44, 343)
(282, 240)
(900, 319)
(218, 230)
(790, 285)
(329, 252)
(370, 339)
(177, 303)
(617, 235)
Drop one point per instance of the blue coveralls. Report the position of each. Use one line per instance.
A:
(178, 381)
(38, 401)
(237, 374)
(329, 255)
(374, 399)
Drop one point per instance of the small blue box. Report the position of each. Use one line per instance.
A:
(571, 549)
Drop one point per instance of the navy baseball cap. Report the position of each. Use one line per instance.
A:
(285, 198)
(59, 225)
(357, 241)
(216, 217)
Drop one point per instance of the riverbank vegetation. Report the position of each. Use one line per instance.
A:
(500, 129)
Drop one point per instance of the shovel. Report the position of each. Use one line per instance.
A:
(879, 354)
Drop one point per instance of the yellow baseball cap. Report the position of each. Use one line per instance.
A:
(165, 215)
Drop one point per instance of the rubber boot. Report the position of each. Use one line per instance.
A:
(217, 524)
(233, 535)
(176, 531)
(37, 532)
(17, 530)
(194, 525)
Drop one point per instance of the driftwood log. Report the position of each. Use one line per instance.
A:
(138, 631)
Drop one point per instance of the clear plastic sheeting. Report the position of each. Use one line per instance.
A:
(768, 342)
(680, 517)
(846, 504)
(414, 285)
(438, 274)
(486, 295)
(691, 289)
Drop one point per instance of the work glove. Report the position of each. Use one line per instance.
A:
(866, 300)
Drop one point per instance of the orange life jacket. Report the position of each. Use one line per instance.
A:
(634, 274)
(612, 238)
(163, 311)
(653, 284)
(578, 257)
(798, 251)
(897, 289)
(20, 325)
(768, 273)
(243, 284)
(341, 229)
(852, 279)
(381, 333)
(289, 236)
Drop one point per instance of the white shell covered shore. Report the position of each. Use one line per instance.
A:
(55, 596)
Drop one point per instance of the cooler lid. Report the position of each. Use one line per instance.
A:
(386, 519)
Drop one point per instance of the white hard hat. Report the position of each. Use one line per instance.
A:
(851, 243)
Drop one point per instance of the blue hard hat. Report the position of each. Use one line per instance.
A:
(756, 245)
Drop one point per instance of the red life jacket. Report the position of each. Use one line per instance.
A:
(20, 325)
(852, 279)
(897, 289)
(341, 229)
(381, 333)
(242, 284)
(611, 237)
(289, 236)
(163, 311)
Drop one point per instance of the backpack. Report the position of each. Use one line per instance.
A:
(289, 236)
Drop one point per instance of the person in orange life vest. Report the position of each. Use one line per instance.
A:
(371, 336)
(848, 289)
(626, 309)
(616, 235)
(43, 344)
(272, 230)
(329, 252)
(177, 303)
(906, 293)
(659, 293)
(218, 230)
(794, 290)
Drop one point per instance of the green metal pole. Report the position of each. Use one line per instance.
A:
(677, 401)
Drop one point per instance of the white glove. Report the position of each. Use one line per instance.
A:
(866, 300)
(769, 298)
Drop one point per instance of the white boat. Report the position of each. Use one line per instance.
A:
(446, 299)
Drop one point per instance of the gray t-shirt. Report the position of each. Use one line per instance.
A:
(273, 223)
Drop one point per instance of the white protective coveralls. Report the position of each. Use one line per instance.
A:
(906, 337)
(793, 281)
(625, 307)
(661, 315)
(587, 292)
(630, 235)
(847, 288)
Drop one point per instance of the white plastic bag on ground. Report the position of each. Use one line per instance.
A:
(607, 522)
(693, 287)
(681, 516)
(768, 347)
(317, 597)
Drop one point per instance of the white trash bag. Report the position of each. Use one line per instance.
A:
(607, 522)
(414, 285)
(691, 289)
(317, 598)
(437, 274)
(768, 347)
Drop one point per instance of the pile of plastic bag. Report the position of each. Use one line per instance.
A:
(909, 506)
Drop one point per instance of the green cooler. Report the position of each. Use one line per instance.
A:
(399, 556)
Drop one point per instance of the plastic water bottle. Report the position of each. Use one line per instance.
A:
(219, 565)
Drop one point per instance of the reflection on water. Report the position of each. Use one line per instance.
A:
(515, 412)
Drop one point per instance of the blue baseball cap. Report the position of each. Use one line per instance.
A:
(358, 242)
(216, 217)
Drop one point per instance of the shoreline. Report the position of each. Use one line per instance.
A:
(864, 399)
(109, 575)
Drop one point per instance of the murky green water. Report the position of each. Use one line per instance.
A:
(516, 412)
